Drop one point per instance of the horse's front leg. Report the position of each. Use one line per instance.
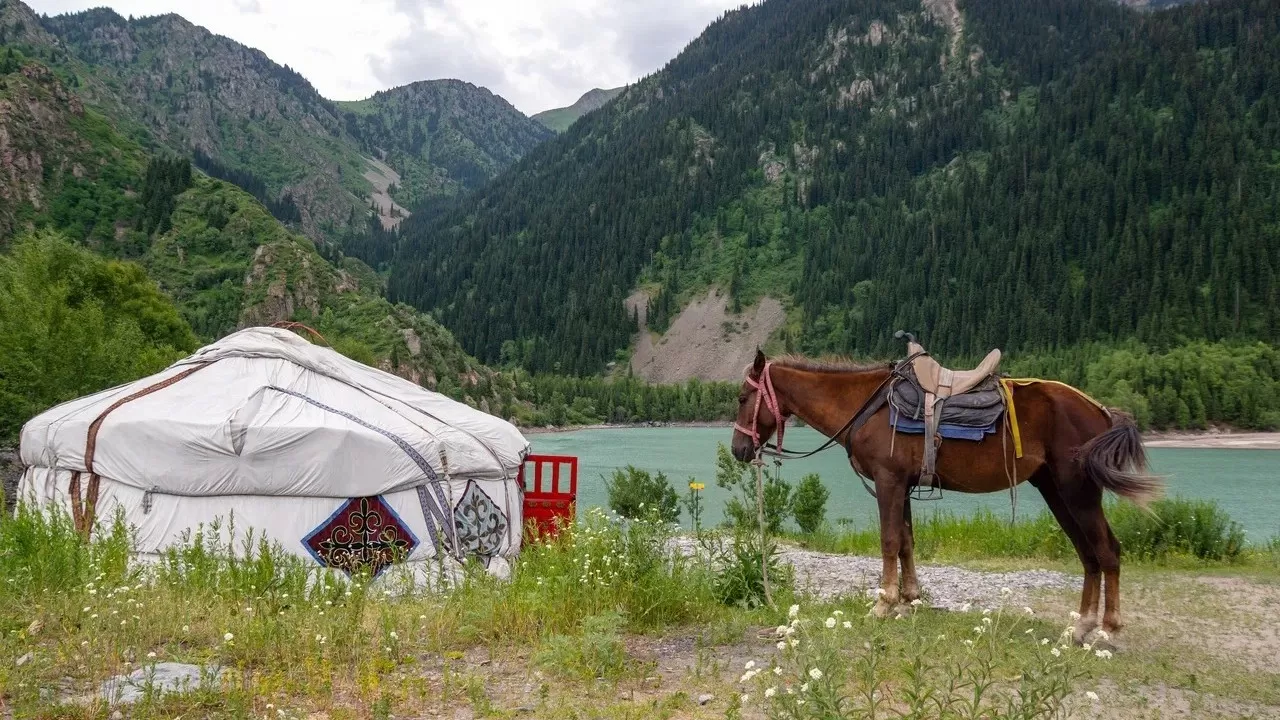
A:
(906, 552)
(890, 496)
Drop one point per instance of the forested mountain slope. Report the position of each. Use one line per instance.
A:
(997, 173)
(262, 123)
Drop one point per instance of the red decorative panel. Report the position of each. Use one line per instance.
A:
(549, 496)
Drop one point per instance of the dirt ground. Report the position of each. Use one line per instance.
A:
(1194, 647)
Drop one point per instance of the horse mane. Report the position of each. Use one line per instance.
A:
(828, 364)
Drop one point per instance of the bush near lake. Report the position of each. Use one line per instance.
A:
(809, 504)
(635, 493)
(1173, 527)
(739, 479)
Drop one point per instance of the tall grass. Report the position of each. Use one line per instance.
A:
(1174, 527)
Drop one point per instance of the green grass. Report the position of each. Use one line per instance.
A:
(565, 628)
(1174, 530)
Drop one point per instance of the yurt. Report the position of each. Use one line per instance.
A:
(341, 464)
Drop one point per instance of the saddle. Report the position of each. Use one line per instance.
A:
(941, 402)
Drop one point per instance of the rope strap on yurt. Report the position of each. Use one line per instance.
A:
(291, 325)
(84, 509)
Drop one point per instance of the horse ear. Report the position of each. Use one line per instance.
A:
(758, 366)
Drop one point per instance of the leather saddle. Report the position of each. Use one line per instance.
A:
(938, 384)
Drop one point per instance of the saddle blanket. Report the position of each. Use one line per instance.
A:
(951, 432)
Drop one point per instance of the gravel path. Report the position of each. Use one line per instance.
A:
(827, 575)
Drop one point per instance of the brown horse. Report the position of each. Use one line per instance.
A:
(1073, 449)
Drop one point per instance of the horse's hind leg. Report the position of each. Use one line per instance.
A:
(1111, 616)
(1049, 485)
(906, 554)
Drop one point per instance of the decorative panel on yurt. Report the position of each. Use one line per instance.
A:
(338, 462)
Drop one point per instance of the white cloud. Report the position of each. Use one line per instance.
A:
(537, 54)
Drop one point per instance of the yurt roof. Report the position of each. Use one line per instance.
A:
(265, 412)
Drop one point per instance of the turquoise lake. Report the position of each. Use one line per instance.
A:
(1245, 482)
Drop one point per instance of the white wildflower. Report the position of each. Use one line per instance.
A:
(1091, 695)
(1055, 652)
(770, 692)
(838, 613)
(1006, 591)
(986, 621)
(746, 697)
(782, 644)
(831, 622)
(986, 611)
(794, 611)
(1074, 615)
(1104, 654)
(804, 687)
(969, 643)
(815, 673)
(777, 671)
(1104, 634)
(847, 625)
(965, 607)
(917, 602)
(1044, 641)
(151, 654)
(1028, 610)
(228, 637)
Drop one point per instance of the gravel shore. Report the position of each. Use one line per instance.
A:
(947, 587)
(829, 575)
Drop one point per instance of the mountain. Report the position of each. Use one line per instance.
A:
(559, 119)
(442, 136)
(989, 173)
(113, 233)
(258, 123)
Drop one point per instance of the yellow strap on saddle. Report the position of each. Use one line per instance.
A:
(1006, 384)
(1007, 389)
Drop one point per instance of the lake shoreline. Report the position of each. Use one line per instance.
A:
(1203, 439)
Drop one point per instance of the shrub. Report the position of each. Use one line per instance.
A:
(810, 503)
(1200, 528)
(740, 508)
(596, 651)
(739, 578)
(634, 494)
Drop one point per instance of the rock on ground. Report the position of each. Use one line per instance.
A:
(161, 678)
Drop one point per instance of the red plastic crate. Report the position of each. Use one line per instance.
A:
(547, 504)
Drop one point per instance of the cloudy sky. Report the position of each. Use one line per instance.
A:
(538, 54)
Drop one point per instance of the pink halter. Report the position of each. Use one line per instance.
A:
(764, 391)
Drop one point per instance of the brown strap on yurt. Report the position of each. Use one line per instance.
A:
(83, 512)
(77, 510)
(292, 325)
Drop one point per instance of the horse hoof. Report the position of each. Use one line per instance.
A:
(881, 610)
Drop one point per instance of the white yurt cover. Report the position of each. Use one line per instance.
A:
(334, 460)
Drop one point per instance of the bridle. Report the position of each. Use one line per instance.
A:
(766, 395)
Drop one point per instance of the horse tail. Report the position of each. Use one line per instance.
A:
(1116, 461)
